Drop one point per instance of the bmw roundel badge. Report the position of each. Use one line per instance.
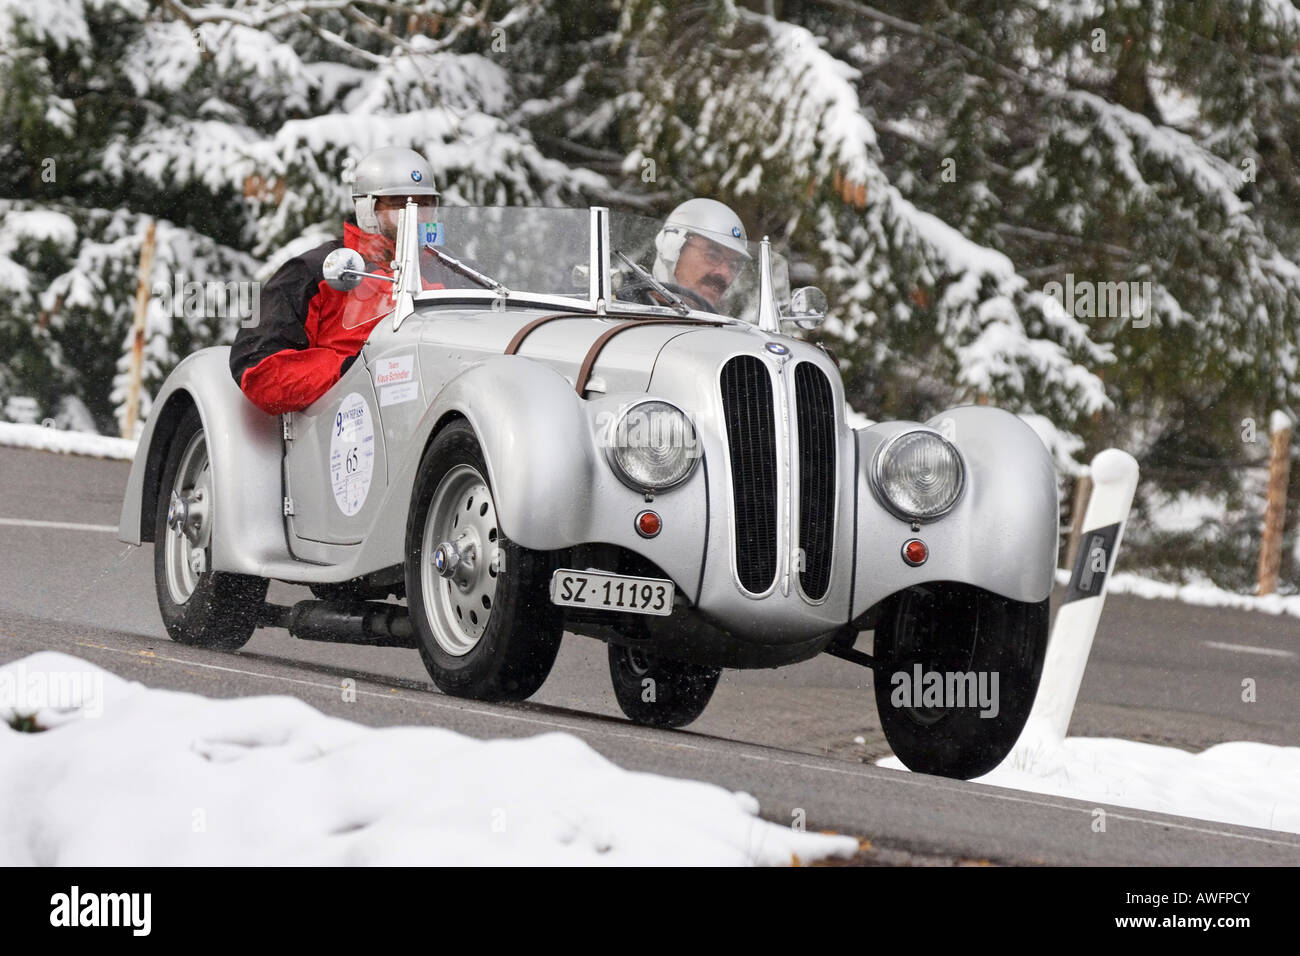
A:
(735, 231)
(415, 175)
(776, 348)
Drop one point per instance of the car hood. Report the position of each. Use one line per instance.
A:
(625, 362)
(691, 360)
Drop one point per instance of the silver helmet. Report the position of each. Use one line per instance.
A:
(391, 171)
(703, 217)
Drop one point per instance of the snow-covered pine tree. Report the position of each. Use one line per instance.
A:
(936, 164)
(1112, 142)
(763, 113)
(235, 125)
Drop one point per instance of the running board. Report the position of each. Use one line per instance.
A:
(371, 623)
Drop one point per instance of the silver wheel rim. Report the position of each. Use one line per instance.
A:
(463, 514)
(189, 526)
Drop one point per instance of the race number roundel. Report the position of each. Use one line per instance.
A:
(352, 454)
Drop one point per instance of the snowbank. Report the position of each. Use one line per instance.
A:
(1242, 783)
(164, 778)
(68, 443)
(1204, 594)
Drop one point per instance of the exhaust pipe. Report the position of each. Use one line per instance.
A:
(372, 623)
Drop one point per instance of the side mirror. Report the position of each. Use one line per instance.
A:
(343, 270)
(808, 307)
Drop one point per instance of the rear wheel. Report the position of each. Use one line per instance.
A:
(199, 606)
(660, 691)
(479, 603)
(986, 654)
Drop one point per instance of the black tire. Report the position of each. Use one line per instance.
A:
(679, 693)
(516, 645)
(953, 628)
(222, 610)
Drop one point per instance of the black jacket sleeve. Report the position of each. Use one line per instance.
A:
(282, 310)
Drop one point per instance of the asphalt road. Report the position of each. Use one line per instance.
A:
(1160, 671)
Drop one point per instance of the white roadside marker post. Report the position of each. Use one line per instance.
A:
(1114, 481)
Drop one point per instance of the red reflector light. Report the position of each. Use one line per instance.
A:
(648, 524)
(915, 552)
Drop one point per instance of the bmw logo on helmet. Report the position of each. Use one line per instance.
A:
(776, 348)
(735, 231)
(415, 175)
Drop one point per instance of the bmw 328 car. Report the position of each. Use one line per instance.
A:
(570, 445)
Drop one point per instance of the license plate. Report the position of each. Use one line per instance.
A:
(612, 592)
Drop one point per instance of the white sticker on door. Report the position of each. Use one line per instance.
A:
(396, 394)
(352, 454)
(390, 371)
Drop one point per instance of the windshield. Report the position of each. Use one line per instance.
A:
(543, 251)
(537, 250)
(706, 270)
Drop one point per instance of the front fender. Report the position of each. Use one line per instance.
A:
(531, 426)
(1001, 535)
(244, 447)
(553, 487)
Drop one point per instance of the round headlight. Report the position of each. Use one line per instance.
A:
(653, 446)
(918, 475)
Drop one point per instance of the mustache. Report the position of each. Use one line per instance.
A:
(715, 281)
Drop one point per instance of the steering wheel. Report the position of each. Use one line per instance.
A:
(644, 289)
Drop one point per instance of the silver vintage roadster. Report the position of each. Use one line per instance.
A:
(570, 444)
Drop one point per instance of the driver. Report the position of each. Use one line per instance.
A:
(309, 334)
(701, 248)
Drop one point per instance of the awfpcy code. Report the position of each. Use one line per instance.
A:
(1163, 899)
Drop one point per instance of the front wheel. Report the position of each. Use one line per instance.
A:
(199, 606)
(957, 672)
(660, 691)
(479, 603)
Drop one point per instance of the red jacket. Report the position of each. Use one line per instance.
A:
(308, 334)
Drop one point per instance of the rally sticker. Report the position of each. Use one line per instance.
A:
(431, 233)
(352, 454)
(391, 371)
(396, 394)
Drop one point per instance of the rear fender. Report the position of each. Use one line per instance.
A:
(245, 447)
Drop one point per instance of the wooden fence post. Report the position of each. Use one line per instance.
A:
(1082, 492)
(142, 291)
(1279, 472)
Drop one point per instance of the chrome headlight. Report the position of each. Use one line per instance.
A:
(652, 446)
(918, 475)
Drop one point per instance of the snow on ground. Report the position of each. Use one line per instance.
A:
(1203, 594)
(69, 443)
(1243, 783)
(132, 776)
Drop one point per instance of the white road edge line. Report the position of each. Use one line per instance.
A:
(58, 525)
(1247, 649)
(901, 778)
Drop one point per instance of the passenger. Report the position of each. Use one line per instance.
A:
(308, 334)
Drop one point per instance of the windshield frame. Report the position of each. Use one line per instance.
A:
(600, 299)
